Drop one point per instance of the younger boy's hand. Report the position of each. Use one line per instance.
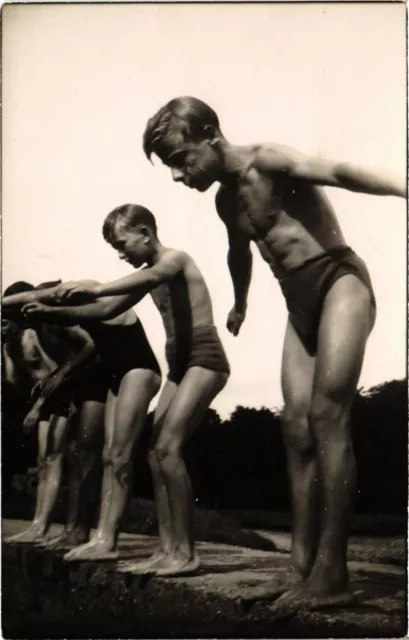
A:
(31, 420)
(234, 321)
(80, 291)
(35, 310)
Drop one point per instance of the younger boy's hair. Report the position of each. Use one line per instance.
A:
(190, 115)
(133, 215)
(49, 284)
(18, 287)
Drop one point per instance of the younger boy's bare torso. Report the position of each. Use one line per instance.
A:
(290, 220)
(31, 358)
(184, 303)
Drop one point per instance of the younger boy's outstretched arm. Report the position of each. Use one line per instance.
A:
(278, 158)
(17, 300)
(138, 284)
(100, 310)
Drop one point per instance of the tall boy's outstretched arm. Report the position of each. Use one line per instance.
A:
(277, 158)
(139, 283)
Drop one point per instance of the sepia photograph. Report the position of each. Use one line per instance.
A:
(204, 320)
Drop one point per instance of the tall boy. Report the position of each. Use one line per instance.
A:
(271, 195)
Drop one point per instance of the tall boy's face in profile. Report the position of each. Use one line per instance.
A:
(193, 162)
(132, 244)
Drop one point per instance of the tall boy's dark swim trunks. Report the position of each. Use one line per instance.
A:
(199, 348)
(306, 286)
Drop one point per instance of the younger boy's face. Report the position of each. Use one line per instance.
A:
(195, 163)
(131, 245)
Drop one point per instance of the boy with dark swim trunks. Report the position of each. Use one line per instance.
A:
(271, 195)
(39, 361)
(198, 369)
(133, 379)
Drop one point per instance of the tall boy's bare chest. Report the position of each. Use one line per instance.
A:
(254, 204)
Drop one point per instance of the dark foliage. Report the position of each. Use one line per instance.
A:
(240, 463)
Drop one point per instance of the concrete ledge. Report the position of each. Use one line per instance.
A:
(44, 597)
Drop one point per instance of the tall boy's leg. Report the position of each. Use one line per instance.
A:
(188, 407)
(297, 375)
(347, 320)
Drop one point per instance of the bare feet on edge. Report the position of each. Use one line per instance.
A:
(35, 533)
(95, 549)
(177, 565)
(271, 589)
(312, 596)
(143, 566)
(67, 538)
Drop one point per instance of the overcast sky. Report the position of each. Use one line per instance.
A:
(79, 83)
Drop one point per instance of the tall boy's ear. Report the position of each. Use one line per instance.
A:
(146, 232)
(211, 133)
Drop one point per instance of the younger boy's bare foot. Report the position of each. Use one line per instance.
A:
(96, 549)
(177, 565)
(67, 538)
(143, 566)
(35, 533)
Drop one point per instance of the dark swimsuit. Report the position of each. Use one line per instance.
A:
(199, 348)
(122, 348)
(306, 286)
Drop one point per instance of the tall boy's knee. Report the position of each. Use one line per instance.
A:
(326, 412)
(152, 459)
(297, 432)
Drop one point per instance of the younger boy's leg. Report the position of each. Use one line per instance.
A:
(159, 488)
(52, 437)
(189, 405)
(346, 322)
(35, 531)
(82, 463)
(125, 419)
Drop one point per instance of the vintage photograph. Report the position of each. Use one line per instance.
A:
(204, 320)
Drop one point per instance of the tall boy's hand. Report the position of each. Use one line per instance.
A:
(234, 321)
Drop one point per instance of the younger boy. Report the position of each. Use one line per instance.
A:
(57, 367)
(198, 369)
(132, 380)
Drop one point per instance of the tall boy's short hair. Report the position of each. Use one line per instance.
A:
(190, 115)
(133, 215)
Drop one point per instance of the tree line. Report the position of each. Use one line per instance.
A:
(240, 463)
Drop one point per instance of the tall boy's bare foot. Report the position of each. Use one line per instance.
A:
(312, 595)
(67, 538)
(271, 589)
(177, 565)
(95, 549)
(144, 566)
(35, 533)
